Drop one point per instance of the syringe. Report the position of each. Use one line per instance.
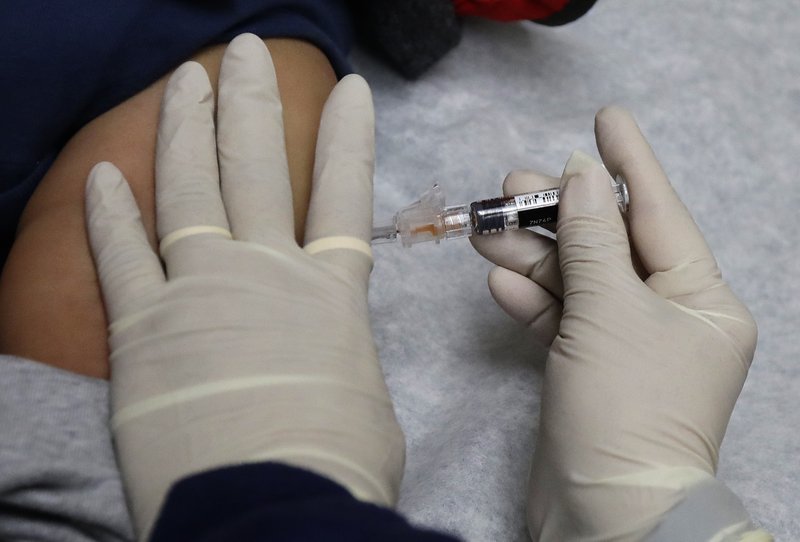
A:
(428, 219)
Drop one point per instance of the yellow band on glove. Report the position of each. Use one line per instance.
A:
(338, 242)
(188, 232)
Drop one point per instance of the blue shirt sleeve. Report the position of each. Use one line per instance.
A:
(65, 62)
(280, 503)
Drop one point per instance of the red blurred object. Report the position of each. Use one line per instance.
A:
(510, 10)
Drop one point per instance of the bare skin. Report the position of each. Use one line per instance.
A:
(51, 308)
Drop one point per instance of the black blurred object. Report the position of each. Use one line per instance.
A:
(412, 35)
(574, 10)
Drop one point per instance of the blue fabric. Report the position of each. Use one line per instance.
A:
(279, 503)
(65, 62)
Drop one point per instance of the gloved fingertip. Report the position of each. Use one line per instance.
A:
(103, 177)
(188, 84)
(247, 43)
(501, 282)
(353, 89)
(354, 79)
(586, 188)
(348, 119)
(619, 139)
(495, 277)
(578, 162)
(104, 172)
(612, 114)
(109, 201)
(244, 51)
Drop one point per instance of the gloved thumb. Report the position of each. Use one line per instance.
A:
(591, 235)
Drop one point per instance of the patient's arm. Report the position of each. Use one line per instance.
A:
(50, 305)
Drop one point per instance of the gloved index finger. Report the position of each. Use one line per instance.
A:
(339, 225)
(662, 230)
(126, 265)
(251, 146)
(188, 197)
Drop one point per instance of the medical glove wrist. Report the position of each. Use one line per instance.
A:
(244, 346)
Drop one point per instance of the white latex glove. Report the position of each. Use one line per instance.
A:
(244, 346)
(644, 367)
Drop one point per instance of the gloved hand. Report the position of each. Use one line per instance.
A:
(244, 346)
(649, 352)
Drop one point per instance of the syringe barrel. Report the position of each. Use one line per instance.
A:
(514, 212)
(527, 210)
